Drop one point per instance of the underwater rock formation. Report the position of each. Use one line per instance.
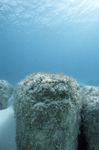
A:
(47, 110)
(6, 91)
(90, 116)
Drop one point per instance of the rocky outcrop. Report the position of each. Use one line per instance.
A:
(90, 116)
(6, 91)
(47, 110)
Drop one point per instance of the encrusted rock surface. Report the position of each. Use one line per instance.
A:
(90, 115)
(6, 91)
(47, 110)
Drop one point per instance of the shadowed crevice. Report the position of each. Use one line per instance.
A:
(82, 143)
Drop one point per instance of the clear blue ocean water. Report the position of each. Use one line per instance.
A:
(49, 36)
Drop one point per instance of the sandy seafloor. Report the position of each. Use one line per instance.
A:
(7, 128)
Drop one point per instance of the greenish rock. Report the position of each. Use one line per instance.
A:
(47, 110)
(90, 115)
(6, 91)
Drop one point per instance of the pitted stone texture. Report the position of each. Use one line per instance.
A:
(47, 110)
(90, 112)
(6, 91)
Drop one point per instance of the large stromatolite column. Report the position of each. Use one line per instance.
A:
(90, 112)
(47, 110)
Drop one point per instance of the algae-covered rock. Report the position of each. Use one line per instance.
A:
(90, 111)
(47, 111)
(6, 91)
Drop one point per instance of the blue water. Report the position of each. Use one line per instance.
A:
(49, 36)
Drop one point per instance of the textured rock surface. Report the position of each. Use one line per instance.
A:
(47, 110)
(6, 91)
(90, 111)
